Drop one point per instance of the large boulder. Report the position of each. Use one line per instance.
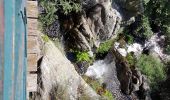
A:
(60, 79)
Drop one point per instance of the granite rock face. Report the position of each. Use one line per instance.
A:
(98, 23)
(60, 79)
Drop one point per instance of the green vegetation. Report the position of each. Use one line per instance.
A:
(99, 88)
(50, 8)
(108, 95)
(139, 29)
(105, 47)
(159, 13)
(131, 59)
(152, 68)
(45, 38)
(82, 56)
(129, 39)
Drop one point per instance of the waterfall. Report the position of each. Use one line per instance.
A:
(105, 72)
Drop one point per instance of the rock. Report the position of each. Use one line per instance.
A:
(97, 23)
(125, 77)
(131, 79)
(60, 79)
(130, 8)
(144, 89)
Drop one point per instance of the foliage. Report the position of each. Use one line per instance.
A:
(159, 13)
(139, 30)
(102, 91)
(45, 38)
(108, 95)
(82, 56)
(131, 59)
(69, 6)
(50, 8)
(130, 39)
(105, 47)
(143, 29)
(47, 17)
(152, 68)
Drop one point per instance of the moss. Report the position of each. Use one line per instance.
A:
(45, 38)
(108, 95)
(99, 88)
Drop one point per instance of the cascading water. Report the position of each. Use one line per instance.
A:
(105, 72)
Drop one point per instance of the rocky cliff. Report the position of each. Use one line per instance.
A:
(102, 43)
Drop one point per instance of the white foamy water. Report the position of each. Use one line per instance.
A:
(97, 70)
(152, 45)
(155, 48)
(105, 72)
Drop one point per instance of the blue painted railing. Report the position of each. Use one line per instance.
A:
(12, 50)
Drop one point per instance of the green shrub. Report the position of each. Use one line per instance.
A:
(143, 29)
(82, 56)
(48, 16)
(130, 58)
(159, 13)
(152, 68)
(50, 8)
(105, 47)
(130, 39)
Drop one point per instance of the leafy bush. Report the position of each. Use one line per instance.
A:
(139, 30)
(159, 12)
(131, 59)
(50, 8)
(105, 47)
(130, 39)
(152, 68)
(143, 29)
(82, 56)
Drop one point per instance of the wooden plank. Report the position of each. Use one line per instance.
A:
(32, 44)
(32, 26)
(32, 9)
(31, 83)
(32, 62)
